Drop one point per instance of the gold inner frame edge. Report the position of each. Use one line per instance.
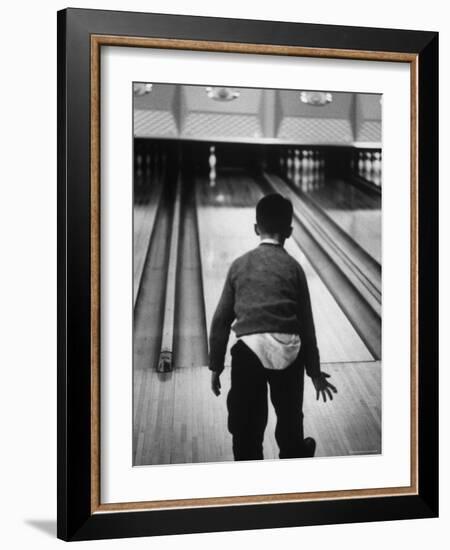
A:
(263, 49)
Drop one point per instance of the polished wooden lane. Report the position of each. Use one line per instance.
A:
(339, 194)
(147, 322)
(225, 232)
(355, 211)
(177, 419)
(183, 422)
(231, 188)
(189, 341)
(144, 216)
(364, 226)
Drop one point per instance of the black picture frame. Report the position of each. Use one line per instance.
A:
(77, 518)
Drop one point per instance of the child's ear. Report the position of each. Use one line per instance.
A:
(256, 229)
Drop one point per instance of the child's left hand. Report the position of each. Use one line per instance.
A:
(215, 383)
(323, 387)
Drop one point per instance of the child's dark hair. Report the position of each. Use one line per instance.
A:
(274, 214)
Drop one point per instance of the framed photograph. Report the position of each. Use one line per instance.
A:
(247, 274)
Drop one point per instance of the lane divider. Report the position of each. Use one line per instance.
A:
(165, 363)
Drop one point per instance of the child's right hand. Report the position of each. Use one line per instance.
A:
(215, 383)
(323, 387)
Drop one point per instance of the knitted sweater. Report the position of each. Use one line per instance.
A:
(265, 291)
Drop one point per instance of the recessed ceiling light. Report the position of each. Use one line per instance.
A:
(221, 94)
(317, 99)
(142, 88)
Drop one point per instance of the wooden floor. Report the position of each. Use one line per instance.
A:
(342, 195)
(231, 188)
(179, 420)
(149, 309)
(356, 212)
(144, 216)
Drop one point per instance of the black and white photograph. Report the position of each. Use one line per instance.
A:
(257, 288)
(222, 254)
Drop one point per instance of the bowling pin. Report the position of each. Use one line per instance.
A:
(377, 163)
(304, 160)
(212, 166)
(311, 161)
(289, 164)
(316, 161)
(139, 166)
(307, 160)
(304, 182)
(376, 168)
(368, 165)
(297, 165)
(360, 163)
(318, 176)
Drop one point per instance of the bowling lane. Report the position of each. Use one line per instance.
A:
(226, 217)
(355, 211)
(147, 322)
(144, 216)
(189, 340)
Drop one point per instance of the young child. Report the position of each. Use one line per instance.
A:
(266, 296)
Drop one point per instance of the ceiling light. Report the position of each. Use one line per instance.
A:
(142, 88)
(317, 99)
(221, 94)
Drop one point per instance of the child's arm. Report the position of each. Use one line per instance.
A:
(309, 344)
(309, 348)
(220, 331)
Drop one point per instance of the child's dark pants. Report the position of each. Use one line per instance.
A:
(248, 409)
